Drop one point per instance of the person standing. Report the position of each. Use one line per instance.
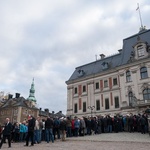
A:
(68, 125)
(38, 130)
(56, 128)
(63, 128)
(76, 126)
(49, 130)
(82, 127)
(6, 133)
(30, 134)
(43, 130)
(142, 123)
(0, 131)
(16, 132)
(22, 131)
(130, 122)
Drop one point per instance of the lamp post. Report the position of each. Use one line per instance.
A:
(91, 108)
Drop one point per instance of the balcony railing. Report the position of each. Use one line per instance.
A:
(143, 102)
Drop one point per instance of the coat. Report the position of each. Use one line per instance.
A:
(31, 125)
(7, 129)
(49, 123)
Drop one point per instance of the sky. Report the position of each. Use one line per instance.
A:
(47, 39)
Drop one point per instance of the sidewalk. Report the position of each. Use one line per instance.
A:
(110, 137)
(104, 141)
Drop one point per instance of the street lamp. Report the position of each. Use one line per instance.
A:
(91, 108)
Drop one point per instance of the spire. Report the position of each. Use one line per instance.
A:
(32, 91)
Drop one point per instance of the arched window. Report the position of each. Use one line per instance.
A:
(130, 98)
(128, 76)
(143, 72)
(146, 94)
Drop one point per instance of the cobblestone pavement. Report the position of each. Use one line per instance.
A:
(119, 141)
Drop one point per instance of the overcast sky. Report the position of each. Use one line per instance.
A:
(48, 39)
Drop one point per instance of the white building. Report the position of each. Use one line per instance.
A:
(115, 84)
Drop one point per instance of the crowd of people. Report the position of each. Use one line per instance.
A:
(37, 129)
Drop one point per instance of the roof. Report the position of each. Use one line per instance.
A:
(60, 114)
(15, 102)
(111, 62)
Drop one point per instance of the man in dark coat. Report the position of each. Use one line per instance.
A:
(142, 123)
(6, 133)
(49, 130)
(31, 125)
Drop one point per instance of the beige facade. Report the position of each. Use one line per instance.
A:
(119, 84)
(17, 113)
(94, 94)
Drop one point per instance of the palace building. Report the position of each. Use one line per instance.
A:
(118, 84)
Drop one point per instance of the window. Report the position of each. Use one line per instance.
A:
(116, 102)
(84, 106)
(26, 111)
(140, 50)
(2, 112)
(97, 85)
(75, 90)
(105, 65)
(143, 72)
(115, 81)
(15, 112)
(146, 94)
(106, 103)
(128, 76)
(130, 98)
(84, 88)
(97, 104)
(105, 83)
(75, 108)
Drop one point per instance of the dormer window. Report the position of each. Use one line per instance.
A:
(81, 72)
(105, 65)
(140, 51)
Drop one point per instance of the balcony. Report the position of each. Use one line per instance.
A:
(143, 102)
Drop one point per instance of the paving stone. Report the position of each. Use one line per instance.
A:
(108, 141)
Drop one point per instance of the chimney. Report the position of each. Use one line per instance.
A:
(102, 56)
(17, 95)
(120, 50)
(47, 110)
(10, 96)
